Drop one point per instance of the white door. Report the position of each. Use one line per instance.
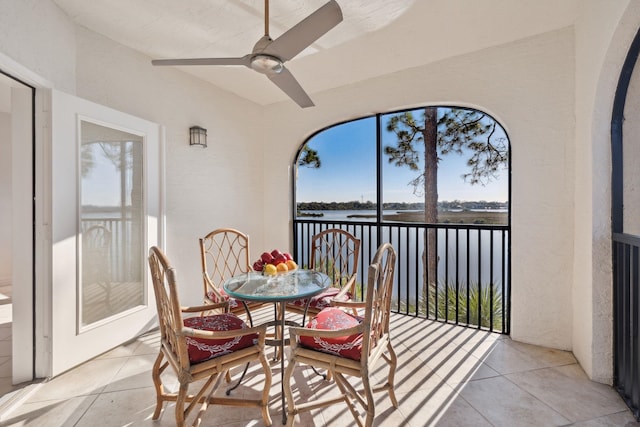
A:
(105, 214)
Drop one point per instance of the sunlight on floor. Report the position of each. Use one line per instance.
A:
(6, 315)
(446, 376)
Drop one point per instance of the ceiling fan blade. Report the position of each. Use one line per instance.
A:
(244, 60)
(289, 85)
(305, 32)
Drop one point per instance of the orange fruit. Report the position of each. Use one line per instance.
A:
(282, 267)
(291, 265)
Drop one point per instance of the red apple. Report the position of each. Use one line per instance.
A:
(288, 256)
(275, 253)
(279, 259)
(257, 266)
(266, 257)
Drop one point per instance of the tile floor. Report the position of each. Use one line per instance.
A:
(5, 340)
(447, 376)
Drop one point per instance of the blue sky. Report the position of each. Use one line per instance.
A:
(101, 186)
(347, 153)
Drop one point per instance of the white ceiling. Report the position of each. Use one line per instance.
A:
(376, 37)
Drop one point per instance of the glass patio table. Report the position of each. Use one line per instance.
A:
(278, 289)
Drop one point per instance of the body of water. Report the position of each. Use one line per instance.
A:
(330, 215)
(473, 255)
(369, 215)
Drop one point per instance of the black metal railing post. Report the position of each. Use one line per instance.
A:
(472, 270)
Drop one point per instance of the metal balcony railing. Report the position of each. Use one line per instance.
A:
(124, 254)
(457, 274)
(626, 311)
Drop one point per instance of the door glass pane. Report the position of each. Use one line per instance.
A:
(111, 222)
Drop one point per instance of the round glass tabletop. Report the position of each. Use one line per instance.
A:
(293, 285)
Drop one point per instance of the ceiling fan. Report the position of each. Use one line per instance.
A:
(268, 56)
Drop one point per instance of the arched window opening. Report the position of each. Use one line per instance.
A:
(430, 165)
(435, 183)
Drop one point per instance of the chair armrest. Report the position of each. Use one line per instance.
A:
(348, 287)
(295, 332)
(206, 307)
(348, 304)
(351, 284)
(199, 333)
(211, 287)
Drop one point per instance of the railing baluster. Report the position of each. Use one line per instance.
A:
(462, 272)
(491, 281)
(479, 279)
(468, 269)
(446, 275)
(457, 279)
(503, 281)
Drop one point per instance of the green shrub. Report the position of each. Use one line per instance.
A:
(478, 307)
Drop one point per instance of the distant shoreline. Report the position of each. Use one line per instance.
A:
(401, 206)
(310, 214)
(448, 217)
(496, 217)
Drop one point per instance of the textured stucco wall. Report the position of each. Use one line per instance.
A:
(604, 31)
(216, 187)
(528, 86)
(220, 186)
(38, 36)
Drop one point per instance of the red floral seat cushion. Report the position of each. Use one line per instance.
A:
(321, 301)
(233, 303)
(333, 318)
(204, 349)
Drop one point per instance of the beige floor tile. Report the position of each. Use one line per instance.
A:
(547, 356)
(456, 366)
(568, 390)
(411, 374)
(459, 414)
(135, 373)
(5, 366)
(89, 378)
(5, 348)
(124, 350)
(503, 403)
(446, 376)
(505, 359)
(480, 344)
(50, 413)
(6, 314)
(620, 419)
(339, 414)
(126, 407)
(425, 406)
(6, 385)
(431, 338)
(149, 344)
(470, 337)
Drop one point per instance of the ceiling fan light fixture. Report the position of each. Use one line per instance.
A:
(266, 64)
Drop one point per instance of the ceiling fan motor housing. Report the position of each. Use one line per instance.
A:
(266, 64)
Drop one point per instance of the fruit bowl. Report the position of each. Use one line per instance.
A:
(275, 262)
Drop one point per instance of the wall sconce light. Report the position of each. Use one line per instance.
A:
(198, 136)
